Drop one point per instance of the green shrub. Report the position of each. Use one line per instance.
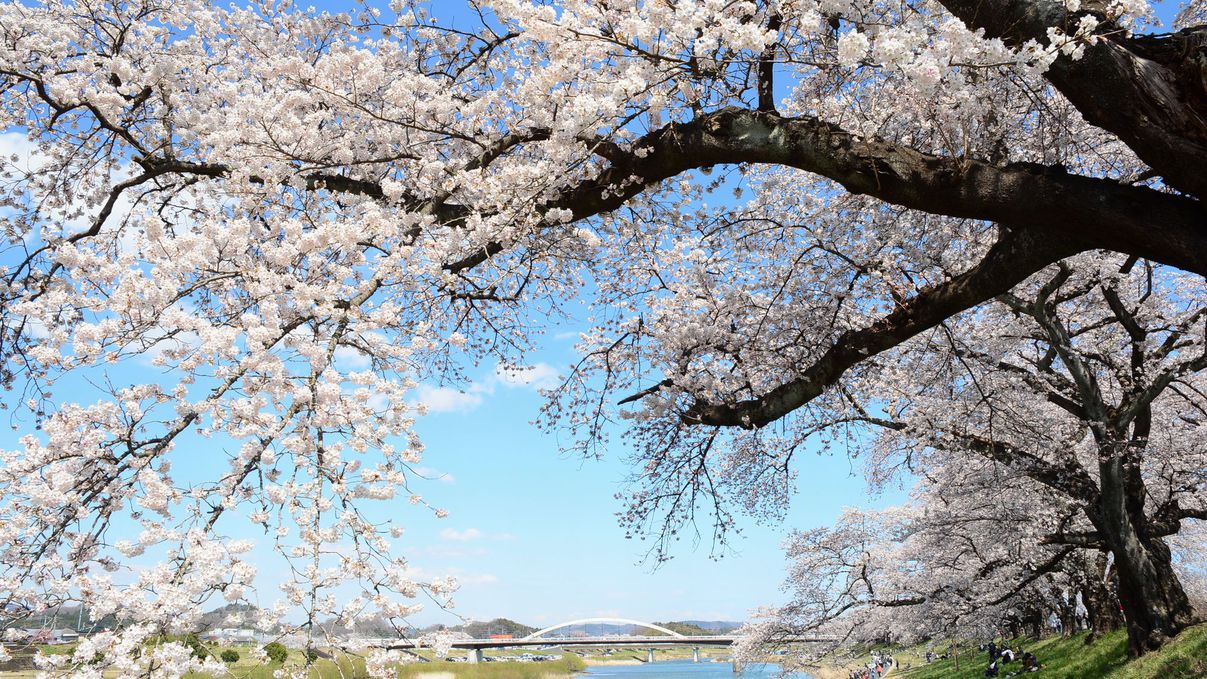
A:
(276, 651)
(312, 655)
(199, 650)
(229, 655)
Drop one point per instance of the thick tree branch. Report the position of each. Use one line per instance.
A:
(1093, 212)
(1012, 259)
(1068, 478)
(1096, 213)
(1147, 90)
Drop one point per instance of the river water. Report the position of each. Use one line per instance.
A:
(684, 669)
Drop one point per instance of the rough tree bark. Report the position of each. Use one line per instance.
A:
(1098, 596)
(1155, 605)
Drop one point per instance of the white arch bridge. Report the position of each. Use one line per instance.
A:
(539, 638)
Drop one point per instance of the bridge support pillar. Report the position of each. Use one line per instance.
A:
(649, 655)
(695, 654)
(473, 655)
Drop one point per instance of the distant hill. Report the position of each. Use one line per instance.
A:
(481, 630)
(715, 626)
(217, 618)
(685, 628)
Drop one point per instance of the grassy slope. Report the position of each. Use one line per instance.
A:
(1185, 657)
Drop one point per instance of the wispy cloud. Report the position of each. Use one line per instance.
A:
(443, 399)
(477, 578)
(463, 577)
(447, 399)
(351, 357)
(474, 534)
(461, 535)
(451, 551)
(536, 376)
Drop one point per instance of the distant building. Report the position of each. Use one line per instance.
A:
(501, 636)
(228, 635)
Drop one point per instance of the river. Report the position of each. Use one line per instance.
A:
(684, 669)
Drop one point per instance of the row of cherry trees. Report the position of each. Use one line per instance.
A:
(237, 239)
(1055, 440)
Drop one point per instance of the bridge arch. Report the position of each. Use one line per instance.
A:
(610, 621)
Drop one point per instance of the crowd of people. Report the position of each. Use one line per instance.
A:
(999, 658)
(875, 669)
(1001, 662)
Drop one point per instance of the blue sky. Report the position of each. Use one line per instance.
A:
(533, 536)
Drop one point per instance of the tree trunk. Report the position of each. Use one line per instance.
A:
(1065, 603)
(1155, 605)
(1035, 624)
(1098, 597)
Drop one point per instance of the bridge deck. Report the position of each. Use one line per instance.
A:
(613, 641)
(579, 641)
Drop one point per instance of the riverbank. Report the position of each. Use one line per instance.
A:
(1184, 657)
(605, 662)
(624, 655)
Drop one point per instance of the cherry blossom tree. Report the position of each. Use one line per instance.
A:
(1057, 434)
(966, 558)
(299, 217)
(1010, 520)
(1102, 404)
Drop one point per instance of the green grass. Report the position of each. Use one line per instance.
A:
(346, 666)
(1185, 657)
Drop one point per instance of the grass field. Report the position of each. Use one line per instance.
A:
(347, 666)
(1185, 657)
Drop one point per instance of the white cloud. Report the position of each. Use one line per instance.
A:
(461, 535)
(351, 357)
(35, 328)
(474, 534)
(537, 376)
(453, 400)
(463, 578)
(447, 399)
(170, 343)
(379, 401)
(447, 551)
(18, 145)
